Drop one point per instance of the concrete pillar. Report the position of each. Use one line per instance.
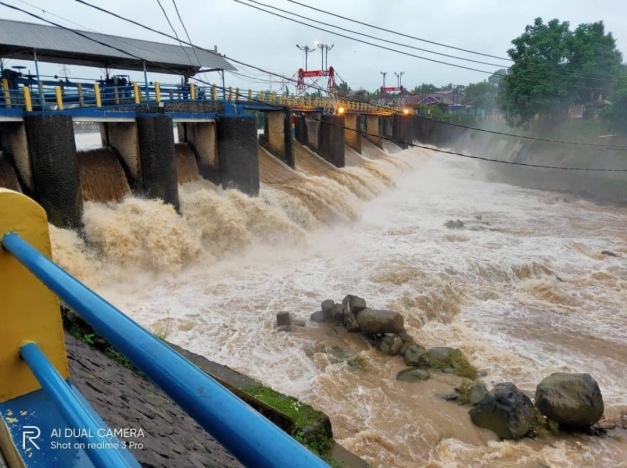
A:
(158, 161)
(388, 126)
(301, 130)
(15, 147)
(352, 136)
(313, 130)
(278, 135)
(399, 130)
(373, 130)
(201, 137)
(331, 145)
(237, 153)
(54, 163)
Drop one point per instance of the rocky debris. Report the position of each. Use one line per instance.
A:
(338, 312)
(327, 309)
(412, 355)
(299, 323)
(283, 318)
(454, 224)
(506, 411)
(317, 316)
(413, 375)
(471, 393)
(608, 253)
(390, 344)
(380, 321)
(572, 400)
(356, 303)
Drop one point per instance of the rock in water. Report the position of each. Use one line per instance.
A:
(380, 321)
(317, 316)
(412, 355)
(390, 345)
(506, 411)
(608, 253)
(356, 303)
(338, 312)
(477, 393)
(327, 309)
(572, 400)
(413, 375)
(283, 318)
(454, 224)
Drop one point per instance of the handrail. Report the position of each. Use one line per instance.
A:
(251, 438)
(72, 410)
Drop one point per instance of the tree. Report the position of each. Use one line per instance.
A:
(616, 111)
(425, 89)
(554, 68)
(482, 95)
(343, 89)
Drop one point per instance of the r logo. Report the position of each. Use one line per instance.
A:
(30, 433)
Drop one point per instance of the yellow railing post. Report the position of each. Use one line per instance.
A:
(57, 92)
(7, 94)
(237, 94)
(28, 104)
(273, 97)
(81, 99)
(250, 95)
(192, 90)
(97, 94)
(214, 93)
(136, 94)
(158, 91)
(230, 93)
(116, 96)
(30, 311)
(262, 96)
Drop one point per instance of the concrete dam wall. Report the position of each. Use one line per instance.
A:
(602, 185)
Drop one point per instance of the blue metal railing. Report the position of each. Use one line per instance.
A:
(250, 437)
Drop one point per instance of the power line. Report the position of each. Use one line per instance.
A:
(343, 97)
(377, 38)
(174, 30)
(398, 33)
(400, 51)
(185, 29)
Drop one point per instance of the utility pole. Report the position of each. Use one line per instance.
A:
(307, 50)
(399, 77)
(382, 91)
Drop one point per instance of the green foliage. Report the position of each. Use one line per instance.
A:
(616, 112)
(425, 88)
(555, 67)
(309, 424)
(482, 95)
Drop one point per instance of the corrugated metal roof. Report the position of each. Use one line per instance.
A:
(18, 40)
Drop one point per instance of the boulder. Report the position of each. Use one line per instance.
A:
(327, 309)
(413, 375)
(449, 360)
(478, 392)
(318, 316)
(390, 344)
(283, 319)
(609, 253)
(454, 224)
(356, 303)
(338, 312)
(572, 400)
(412, 355)
(506, 411)
(380, 321)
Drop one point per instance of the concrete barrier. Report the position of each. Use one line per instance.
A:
(237, 153)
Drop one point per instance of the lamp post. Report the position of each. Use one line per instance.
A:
(382, 89)
(307, 51)
(325, 51)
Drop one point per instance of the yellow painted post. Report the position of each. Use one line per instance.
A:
(59, 96)
(192, 90)
(116, 96)
(230, 93)
(250, 95)
(262, 96)
(97, 94)
(293, 101)
(7, 94)
(27, 101)
(214, 93)
(158, 91)
(237, 94)
(136, 94)
(273, 97)
(81, 100)
(30, 311)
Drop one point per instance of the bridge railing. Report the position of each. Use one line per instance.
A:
(250, 437)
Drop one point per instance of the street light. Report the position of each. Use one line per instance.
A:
(307, 50)
(325, 51)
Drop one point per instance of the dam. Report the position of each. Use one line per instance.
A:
(200, 228)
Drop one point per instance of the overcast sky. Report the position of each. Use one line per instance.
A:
(269, 42)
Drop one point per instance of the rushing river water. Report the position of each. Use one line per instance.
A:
(522, 289)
